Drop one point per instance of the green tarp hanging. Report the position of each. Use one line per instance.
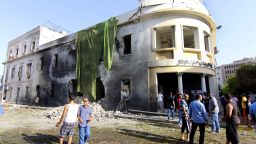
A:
(92, 45)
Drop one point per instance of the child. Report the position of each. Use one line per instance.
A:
(69, 116)
(85, 115)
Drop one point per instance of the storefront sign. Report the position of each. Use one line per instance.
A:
(195, 63)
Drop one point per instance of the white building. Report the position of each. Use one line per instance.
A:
(162, 45)
(20, 64)
(227, 70)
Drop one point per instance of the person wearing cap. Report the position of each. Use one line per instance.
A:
(68, 120)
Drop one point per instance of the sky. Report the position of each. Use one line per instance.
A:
(234, 39)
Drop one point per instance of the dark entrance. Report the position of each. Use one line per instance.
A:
(100, 91)
(167, 82)
(192, 84)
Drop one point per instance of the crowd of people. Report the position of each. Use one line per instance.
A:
(195, 111)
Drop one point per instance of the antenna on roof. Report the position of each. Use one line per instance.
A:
(54, 27)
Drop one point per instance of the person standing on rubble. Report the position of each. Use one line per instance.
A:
(125, 96)
(68, 118)
(85, 116)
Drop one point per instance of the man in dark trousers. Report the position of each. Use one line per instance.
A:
(232, 121)
(171, 106)
(198, 115)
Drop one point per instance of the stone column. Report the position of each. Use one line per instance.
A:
(180, 84)
(203, 85)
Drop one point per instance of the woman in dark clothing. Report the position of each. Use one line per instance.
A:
(232, 121)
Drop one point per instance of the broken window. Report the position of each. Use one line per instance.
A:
(52, 90)
(55, 61)
(38, 89)
(33, 46)
(26, 93)
(17, 52)
(126, 84)
(24, 49)
(20, 72)
(127, 44)
(41, 63)
(13, 72)
(165, 37)
(207, 41)
(7, 74)
(28, 70)
(189, 36)
(18, 92)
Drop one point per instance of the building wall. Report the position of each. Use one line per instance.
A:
(137, 67)
(143, 64)
(21, 85)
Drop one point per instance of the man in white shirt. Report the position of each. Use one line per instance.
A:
(68, 120)
(160, 105)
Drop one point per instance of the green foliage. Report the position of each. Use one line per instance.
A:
(230, 87)
(243, 82)
(246, 78)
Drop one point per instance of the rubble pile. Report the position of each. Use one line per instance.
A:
(54, 113)
(100, 114)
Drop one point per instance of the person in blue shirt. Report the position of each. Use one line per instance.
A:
(1, 110)
(252, 112)
(198, 115)
(85, 115)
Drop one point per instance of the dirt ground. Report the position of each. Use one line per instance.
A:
(32, 125)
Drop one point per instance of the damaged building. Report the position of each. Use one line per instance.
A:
(161, 46)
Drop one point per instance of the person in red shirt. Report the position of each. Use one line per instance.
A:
(178, 108)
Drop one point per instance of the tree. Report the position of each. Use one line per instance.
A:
(231, 86)
(246, 79)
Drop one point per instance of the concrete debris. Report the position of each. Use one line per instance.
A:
(54, 113)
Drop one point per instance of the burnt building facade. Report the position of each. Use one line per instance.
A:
(165, 46)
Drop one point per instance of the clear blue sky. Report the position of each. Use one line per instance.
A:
(234, 39)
